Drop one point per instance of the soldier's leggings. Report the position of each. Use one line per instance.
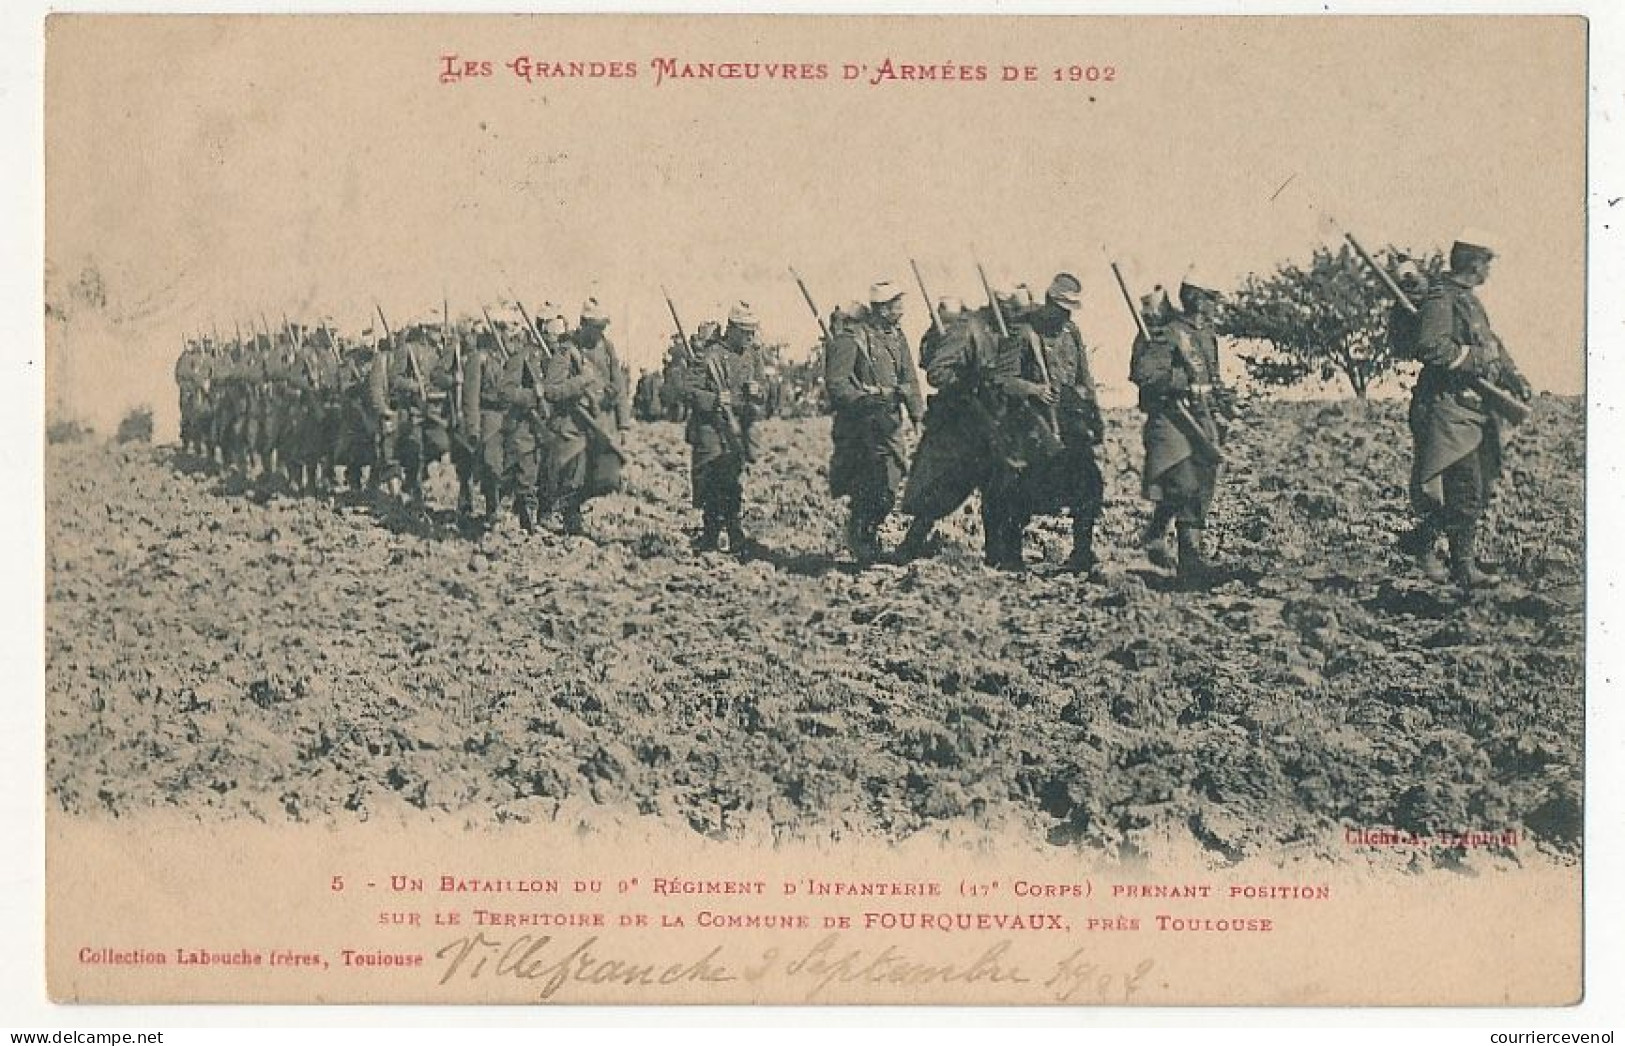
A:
(492, 443)
(1187, 488)
(1467, 489)
(719, 490)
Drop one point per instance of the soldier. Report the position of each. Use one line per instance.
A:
(957, 452)
(1177, 372)
(586, 389)
(206, 428)
(673, 399)
(400, 397)
(526, 437)
(448, 429)
(1458, 438)
(355, 442)
(190, 371)
(1053, 410)
(226, 390)
(299, 381)
(724, 395)
(869, 372)
(485, 415)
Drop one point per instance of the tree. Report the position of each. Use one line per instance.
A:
(1326, 320)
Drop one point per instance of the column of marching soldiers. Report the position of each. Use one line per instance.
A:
(533, 414)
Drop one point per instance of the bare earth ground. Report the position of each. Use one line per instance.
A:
(291, 661)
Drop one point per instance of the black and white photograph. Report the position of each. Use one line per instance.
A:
(1058, 470)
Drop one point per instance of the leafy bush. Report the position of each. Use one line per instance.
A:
(67, 432)
(136, 426)
(1326, 320)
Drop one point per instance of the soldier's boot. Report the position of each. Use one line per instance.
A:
(857, 536)
(1005, 551)
(739, 542)
(491, 492)
(1155, 539)
(917, 540)
(525, 503)
(1464, 568)
(574, 524)
(1421, 546)
(710, 536)
(465, 498)
(1082, 560)
(1194, 566)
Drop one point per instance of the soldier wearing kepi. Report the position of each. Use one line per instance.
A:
(1177, 371)
(959, 447)
(586, 390)
(869, 373)
(1458, 437)
(1047, 373)
(724, 395)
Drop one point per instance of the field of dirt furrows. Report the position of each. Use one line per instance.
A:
(292, 660)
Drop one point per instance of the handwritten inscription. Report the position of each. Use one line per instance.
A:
(553, 964)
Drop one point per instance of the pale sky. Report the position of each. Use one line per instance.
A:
(220, 168)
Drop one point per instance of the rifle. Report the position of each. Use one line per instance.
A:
(678, 323)
(454, 411)
(973, 399)
(863, 343)
(332, 344)
(930, 310)
(411, 358)
(535, 334)
(1497, 399)
(1043, 364)
(1182, 415)
(577, 409)
(502, 343)
(293, 336)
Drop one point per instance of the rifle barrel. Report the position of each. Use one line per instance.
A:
(1128, 299)
(806, 295)
(992, 301)
(936, 321)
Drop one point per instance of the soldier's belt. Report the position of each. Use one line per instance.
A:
(1200, 390)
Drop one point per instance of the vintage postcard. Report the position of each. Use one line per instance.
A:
(784, 509)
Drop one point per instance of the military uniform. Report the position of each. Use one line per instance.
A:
(961, 442)
(1457, 435)
(1054, 458)
(673, 399)
(1177, 371)
(303, 384)
(355, 433)
(485, 415)
(191, 381)
(525, 431)
(585, 378)
(870, 377)
(412, 412)
(723, 386)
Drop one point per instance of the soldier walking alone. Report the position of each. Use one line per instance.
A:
(1458, 438)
